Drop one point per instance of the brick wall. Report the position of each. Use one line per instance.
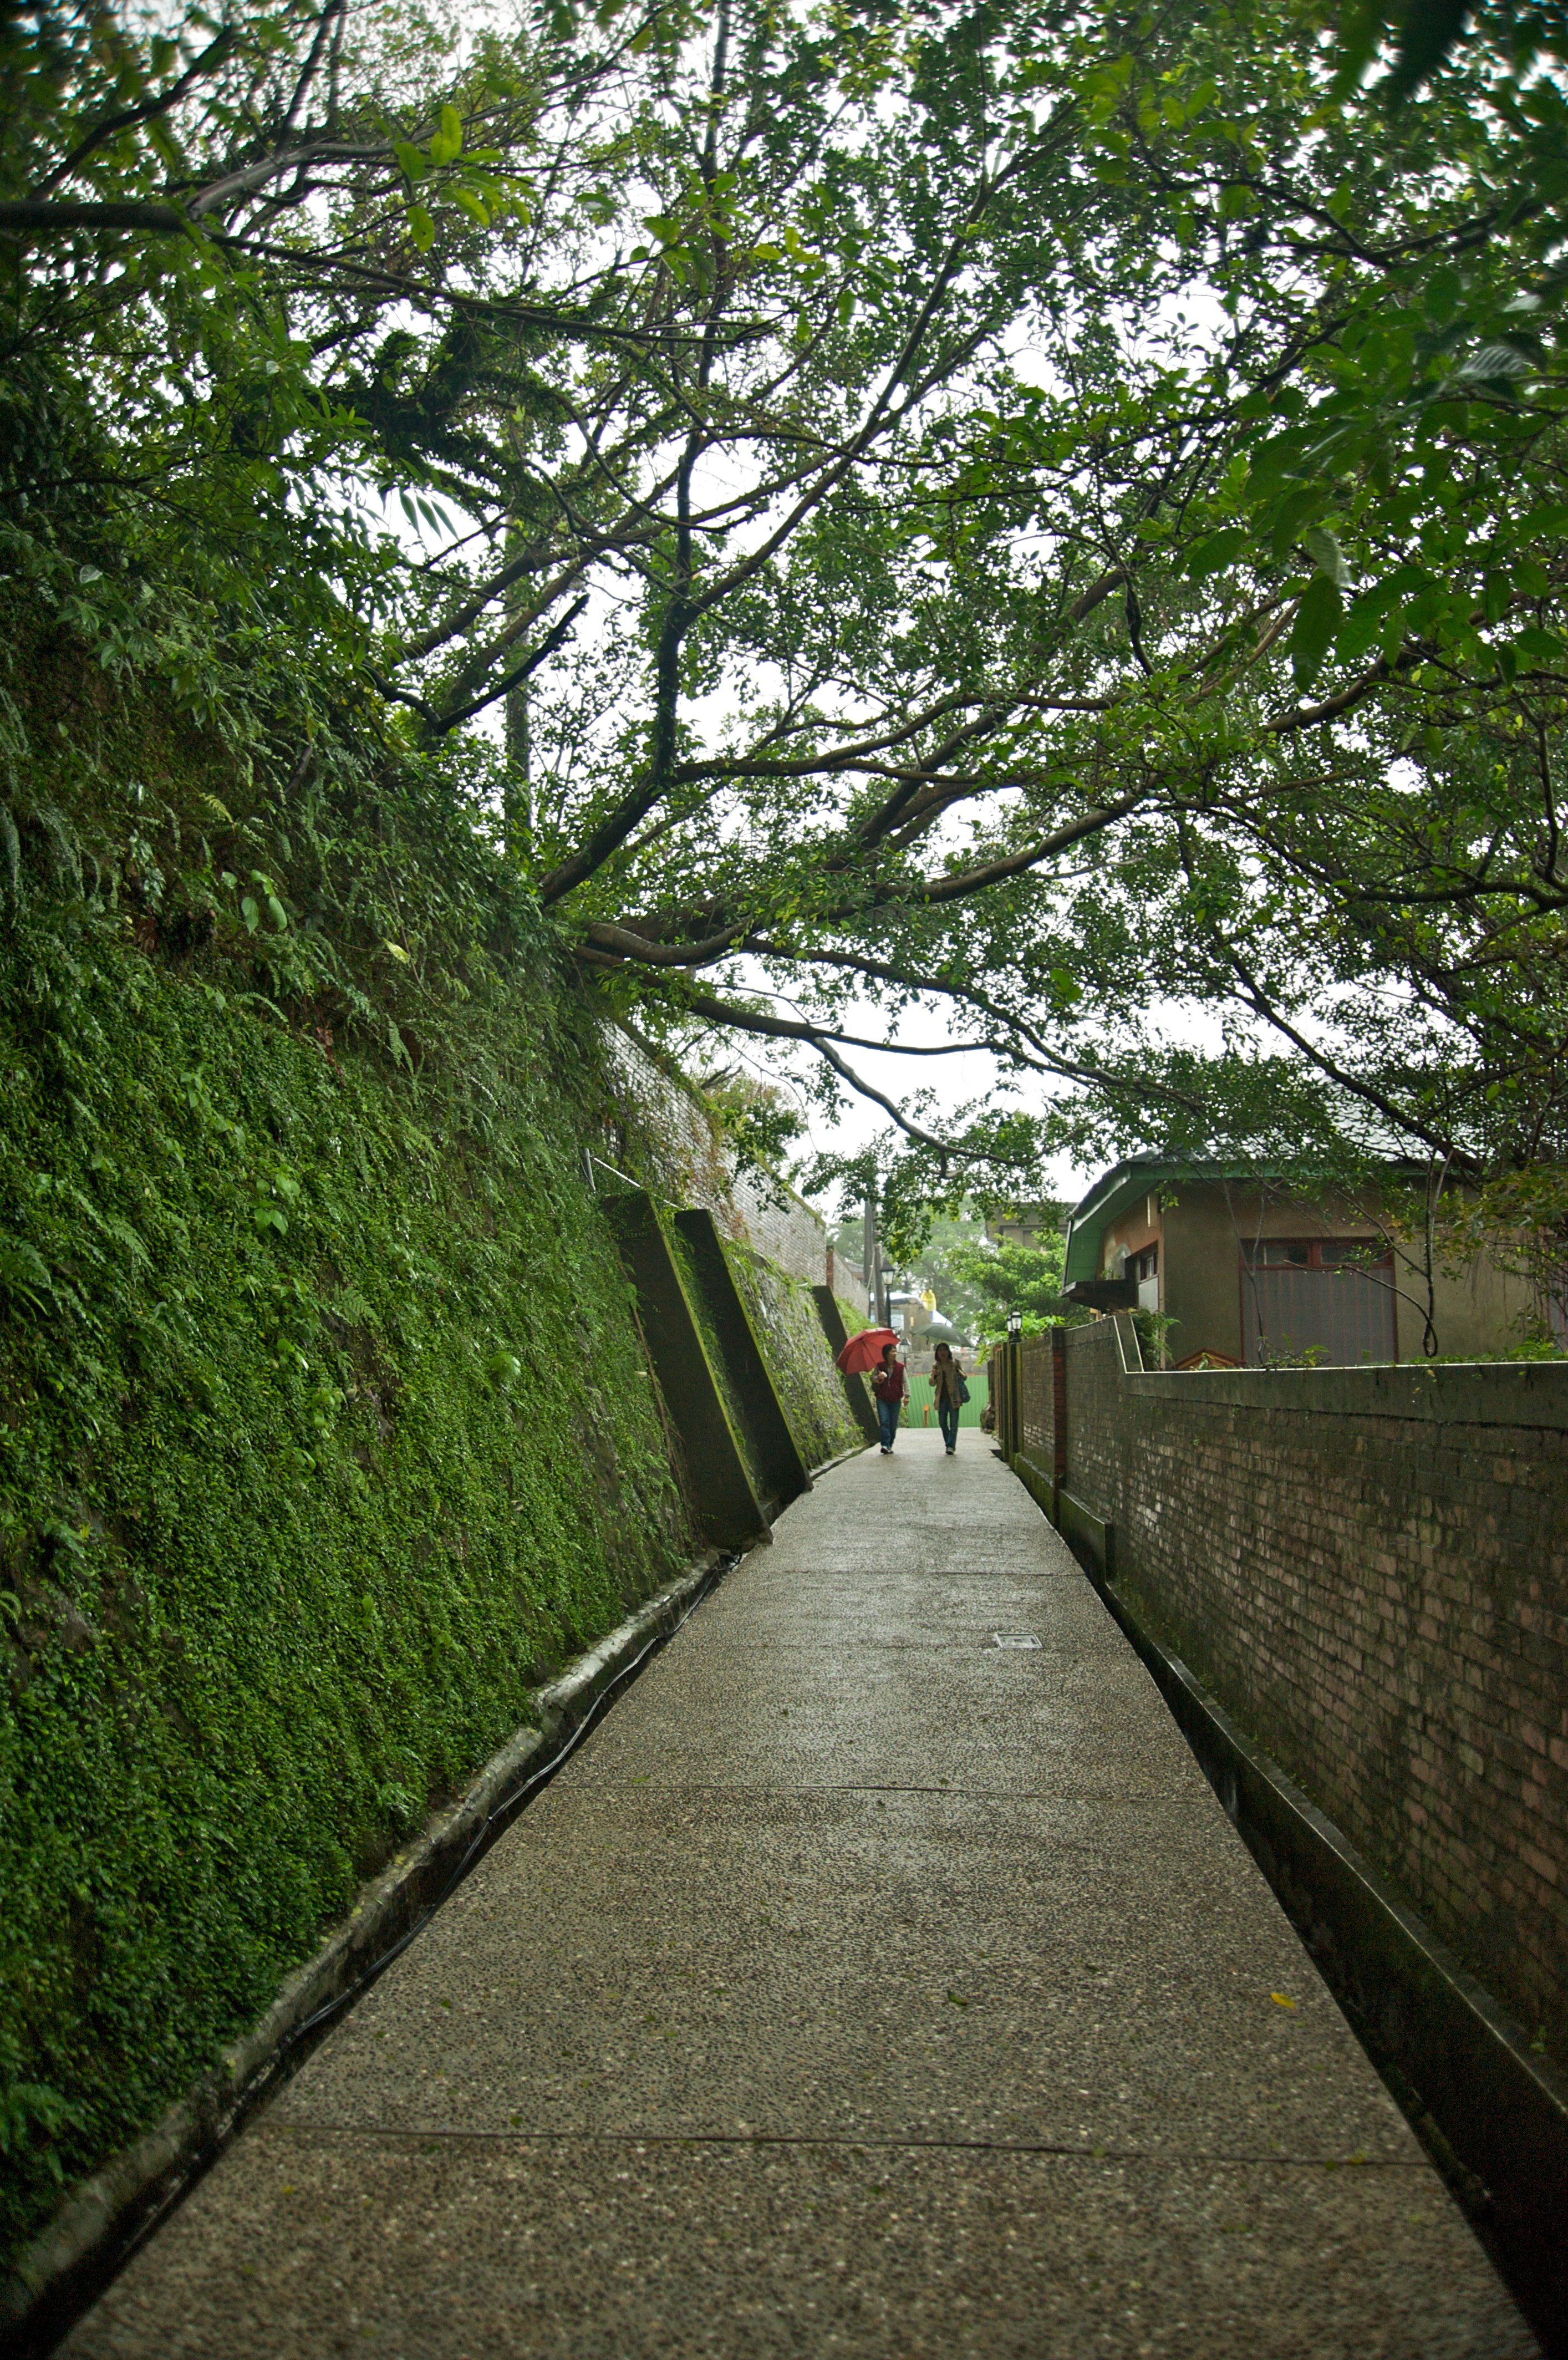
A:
(1369, 1570)
(1042, 1435)
(693, 1165)
(783, 1226)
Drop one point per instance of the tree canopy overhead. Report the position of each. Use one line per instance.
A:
(960, 523)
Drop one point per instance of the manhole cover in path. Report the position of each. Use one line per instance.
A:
(1015, 1638)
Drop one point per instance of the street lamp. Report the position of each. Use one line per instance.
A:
(1012, 1434)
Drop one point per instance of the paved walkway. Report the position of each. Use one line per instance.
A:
(862, 1987)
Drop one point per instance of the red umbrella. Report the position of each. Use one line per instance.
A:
(864, 1351)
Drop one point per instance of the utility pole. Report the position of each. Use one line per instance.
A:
(876, 1289)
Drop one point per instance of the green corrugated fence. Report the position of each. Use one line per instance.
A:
(922, 1399)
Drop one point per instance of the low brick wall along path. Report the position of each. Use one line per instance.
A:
(1368, 1567)
(873, 1982)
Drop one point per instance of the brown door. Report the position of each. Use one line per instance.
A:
(1319, 1301)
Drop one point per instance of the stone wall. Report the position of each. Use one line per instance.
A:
(772, 1220)
(789, 1329)
(693, 1164)
(1368, 1567)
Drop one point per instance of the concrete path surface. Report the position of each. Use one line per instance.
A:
(862, 1986)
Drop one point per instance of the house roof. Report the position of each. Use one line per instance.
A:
(1140, 1175)
(1113, 1192)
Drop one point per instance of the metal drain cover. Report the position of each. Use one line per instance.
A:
(1015, 1638)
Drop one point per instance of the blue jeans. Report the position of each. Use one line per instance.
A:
(888, 1419)
(947, 1418)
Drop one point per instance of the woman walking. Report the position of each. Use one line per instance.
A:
(888, 1384)
(947, 1383)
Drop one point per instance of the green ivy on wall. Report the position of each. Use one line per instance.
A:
(789, 1329)
(298, 1387)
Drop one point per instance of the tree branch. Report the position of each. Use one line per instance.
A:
(1402, 1120)
(975, 881)
(46, 217)
(781, 1027)
(143, 112)
(1045, 1060)
(442, 724)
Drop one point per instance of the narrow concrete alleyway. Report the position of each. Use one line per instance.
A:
(866, 1984)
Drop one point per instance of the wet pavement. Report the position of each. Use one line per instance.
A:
(863, 1985)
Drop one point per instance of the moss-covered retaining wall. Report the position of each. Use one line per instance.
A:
(325, 1438)
(789, 1328)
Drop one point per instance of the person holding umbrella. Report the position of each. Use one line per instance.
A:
(888, 1384)
(872, 1352)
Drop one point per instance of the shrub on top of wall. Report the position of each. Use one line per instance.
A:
(299, 1386)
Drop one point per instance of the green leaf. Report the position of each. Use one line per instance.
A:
(1545, 522)
(1272, 461)
(1218, 551)
(422, 227)
(1536, 646)
(1312, 635)
(446, 146)
(1429, 31)
(1292, 515)
(1323, 547)
(1444, 289)
(1361, 630)
(160, 137)
(412, 160)
(22, 1271)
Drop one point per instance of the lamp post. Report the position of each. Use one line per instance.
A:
(1013, 1439)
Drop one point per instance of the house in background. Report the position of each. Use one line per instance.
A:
(1025, 1225)
(1249, 1273)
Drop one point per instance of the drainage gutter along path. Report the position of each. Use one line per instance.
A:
(862, 1987)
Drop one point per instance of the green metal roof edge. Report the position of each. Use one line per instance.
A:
(1122, 1186)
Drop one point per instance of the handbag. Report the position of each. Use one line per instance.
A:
(962, 1391)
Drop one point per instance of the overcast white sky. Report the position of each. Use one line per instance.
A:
(953, 1081)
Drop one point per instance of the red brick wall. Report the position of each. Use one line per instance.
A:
(1369, 1570)
(1041, 1370)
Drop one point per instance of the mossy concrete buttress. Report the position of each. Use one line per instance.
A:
(778, 1456)
(860, 1399)
(723, 1499)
